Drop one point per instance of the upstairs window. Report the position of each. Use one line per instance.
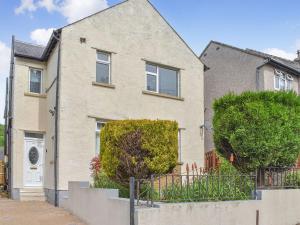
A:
(283, 81)
(103, 67)
(35, 81)
(162, 80)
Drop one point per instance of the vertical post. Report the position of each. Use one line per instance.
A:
(131, 184)
(257, 217)
(152, 189)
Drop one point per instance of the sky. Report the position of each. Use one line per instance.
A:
(271, 26)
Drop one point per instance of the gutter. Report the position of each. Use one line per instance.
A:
(56, 199)
(9, 118)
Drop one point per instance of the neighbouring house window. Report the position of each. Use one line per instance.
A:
(162, 80)
(103, 67)
(282, 81)
(99, 126)
(35, 81)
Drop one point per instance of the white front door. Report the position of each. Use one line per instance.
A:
(33, 162)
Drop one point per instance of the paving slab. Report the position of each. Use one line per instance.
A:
(34, 213)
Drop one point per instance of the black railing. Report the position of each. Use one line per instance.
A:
(210, 186)
(278, 178)
(195, 188)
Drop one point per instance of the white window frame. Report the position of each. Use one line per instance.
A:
(97, 133)
(105, 63)
(157, 77)
(286, 78)
(29, 79)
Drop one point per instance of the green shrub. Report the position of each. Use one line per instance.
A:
(138, 148)
(212, 187)
(292, 179)
(1, 135)
(261, 129)
(101, 180)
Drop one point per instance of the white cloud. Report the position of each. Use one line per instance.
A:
(77, 9)
(26, 5)
(72, 10)
(47, 4)
(280, 53)
(4, 70)
(41, 36)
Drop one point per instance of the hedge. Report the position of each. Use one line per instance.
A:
(149, 147)
(261, 129)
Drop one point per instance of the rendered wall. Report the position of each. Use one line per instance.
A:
(134, 32)
(276, 207)
(96, 206)
(101, 206)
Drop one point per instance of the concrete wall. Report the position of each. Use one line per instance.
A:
(134, 32)
(96, 206)
(99, 206)
(276, 207)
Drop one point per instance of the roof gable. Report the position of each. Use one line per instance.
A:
(289, 64)
(42, 53)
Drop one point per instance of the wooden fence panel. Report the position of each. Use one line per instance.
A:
(2, 172)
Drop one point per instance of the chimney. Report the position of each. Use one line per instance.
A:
(298, 57)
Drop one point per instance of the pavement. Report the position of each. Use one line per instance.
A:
(34, 213)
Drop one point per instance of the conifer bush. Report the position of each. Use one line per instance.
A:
(261, 129)
(138, 148)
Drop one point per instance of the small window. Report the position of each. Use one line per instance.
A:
(34, 135)
(162, 80)
(103, 67)
(283, 81)
(35, 81)
(99, 126)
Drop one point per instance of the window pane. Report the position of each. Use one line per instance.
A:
(35, 81)
(150, 68)
(97, 150)
(168, 81)
(151, 82)
(282, 84)
(103, 56)
(102, 73)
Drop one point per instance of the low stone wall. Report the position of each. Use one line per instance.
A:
(100, 206)
(96, 206)
(275, 207)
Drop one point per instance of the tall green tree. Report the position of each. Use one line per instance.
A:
(261, 129)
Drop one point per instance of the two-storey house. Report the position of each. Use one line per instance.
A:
(231, 69)
(125, 62)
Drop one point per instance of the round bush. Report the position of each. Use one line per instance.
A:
(261, 129)
(138, 148)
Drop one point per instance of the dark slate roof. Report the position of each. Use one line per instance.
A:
(286, 62)
(28, 50)
(294, 66)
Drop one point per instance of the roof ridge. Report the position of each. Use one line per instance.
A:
(27, 43)
(269, 55)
